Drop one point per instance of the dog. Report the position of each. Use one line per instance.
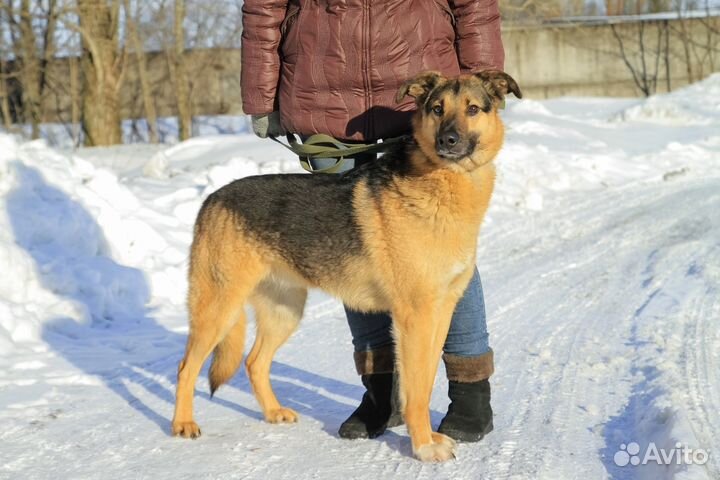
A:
(397, 235)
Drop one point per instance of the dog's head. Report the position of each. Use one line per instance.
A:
(457, 121)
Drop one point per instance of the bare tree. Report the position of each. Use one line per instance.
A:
(87, 84)
(178, 73)
(666, 56)
(75, 100)
(141, 61)
(30, 69)
(48, 48)
(650, 48)
(700, 43)
(4, 96)
(642, 61)
(30, 29)
(103, 70)
(710, 44)
(33, 38)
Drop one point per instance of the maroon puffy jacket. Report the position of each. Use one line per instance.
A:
(334, 66)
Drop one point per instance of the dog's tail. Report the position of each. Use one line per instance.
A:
(219, 289)
(227, 355)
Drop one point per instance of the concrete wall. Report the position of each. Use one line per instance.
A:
(586, 59)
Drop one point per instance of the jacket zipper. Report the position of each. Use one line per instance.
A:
(446, 8)
(366, 67)
(292, 12)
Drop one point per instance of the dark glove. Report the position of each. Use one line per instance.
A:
(268, 124)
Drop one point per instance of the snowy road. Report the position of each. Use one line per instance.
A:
(601, 266)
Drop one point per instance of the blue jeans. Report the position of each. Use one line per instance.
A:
(468, 335)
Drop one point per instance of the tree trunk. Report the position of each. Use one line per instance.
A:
(179, 72)
(30, 70)
(148, 99)
(4, 100)
(75, 100)
(102, 69)
(666, 28)
(686, 47)
(48, 51)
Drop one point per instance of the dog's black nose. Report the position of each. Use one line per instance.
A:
(448, 143)
(448, 139)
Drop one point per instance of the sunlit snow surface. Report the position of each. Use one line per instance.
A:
(600, 259)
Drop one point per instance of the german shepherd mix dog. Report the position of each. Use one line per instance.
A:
(398, 235)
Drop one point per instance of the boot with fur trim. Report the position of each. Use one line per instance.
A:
(470, 416)
(380, 406)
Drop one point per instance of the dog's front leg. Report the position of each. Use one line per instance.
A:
(420, 332)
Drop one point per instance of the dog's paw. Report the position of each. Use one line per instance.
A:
(281, 415)
(186, 429)
(441, 450)
(444, 440)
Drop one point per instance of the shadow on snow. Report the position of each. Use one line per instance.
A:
(120, 342)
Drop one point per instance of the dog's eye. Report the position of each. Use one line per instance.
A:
(473, 110)
(437, 110)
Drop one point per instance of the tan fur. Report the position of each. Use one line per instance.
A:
(419, 238)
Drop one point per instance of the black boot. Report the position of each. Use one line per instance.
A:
(470, 416)
(380, 405)
(378, 409)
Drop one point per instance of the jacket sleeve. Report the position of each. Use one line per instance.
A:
(260, 56)
(479, 44)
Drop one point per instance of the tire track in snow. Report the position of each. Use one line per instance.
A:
(702, 362)
(664, 333)
(550, 374)
(596, 359)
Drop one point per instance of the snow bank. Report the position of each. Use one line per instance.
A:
(93, 242)
(697, 104)
(57, 260)
(576, 144)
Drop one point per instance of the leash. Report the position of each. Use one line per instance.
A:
(325, 146)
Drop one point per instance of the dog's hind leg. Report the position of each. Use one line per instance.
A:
(278, 309)
(209, 325)
(218, 290)
(418, 330)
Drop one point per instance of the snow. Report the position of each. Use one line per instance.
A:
(600, 261)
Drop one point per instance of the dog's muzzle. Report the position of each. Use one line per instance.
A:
(448, 144)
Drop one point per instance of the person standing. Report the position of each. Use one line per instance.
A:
(334, 67)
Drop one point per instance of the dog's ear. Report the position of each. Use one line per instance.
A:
(419, 86)
(498, 83)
